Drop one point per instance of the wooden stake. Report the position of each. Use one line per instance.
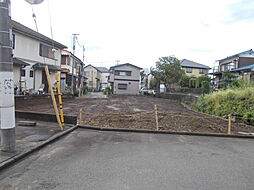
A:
(156, 117)
(229, 124)
(53, 97)
(81, 116)
(59, 98)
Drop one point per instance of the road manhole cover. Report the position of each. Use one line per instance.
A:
(36, 138)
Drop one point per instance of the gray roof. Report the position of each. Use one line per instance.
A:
(250, 52)
(42, 66)
(188, 63)
(19, 28)
(19, 62)
(125, 64)
(102, 69)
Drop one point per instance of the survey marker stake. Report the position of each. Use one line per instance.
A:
(59, 94)
(53, 98)
(156, 117)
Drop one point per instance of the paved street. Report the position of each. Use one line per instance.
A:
(88, 159)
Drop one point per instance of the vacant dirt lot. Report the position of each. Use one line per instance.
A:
(134, 112)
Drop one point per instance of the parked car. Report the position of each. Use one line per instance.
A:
(144, 91)
(152, 92)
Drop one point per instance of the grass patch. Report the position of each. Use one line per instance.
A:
(230, 101)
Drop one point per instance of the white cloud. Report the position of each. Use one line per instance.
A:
(140, 31)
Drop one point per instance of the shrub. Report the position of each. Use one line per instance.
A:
(107, 91)
(206, 86)
(184, 81)
(231, 101)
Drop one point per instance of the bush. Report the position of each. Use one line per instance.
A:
(231, 101)
(107, 91)
(206, 86)
(184, 81)
(67, 91)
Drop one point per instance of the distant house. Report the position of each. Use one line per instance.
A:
(233, 63)
(93, 77)
(194, 69)
(71, 66)
(104, 77)
(32, 51)
(124, 79)
(246, 72)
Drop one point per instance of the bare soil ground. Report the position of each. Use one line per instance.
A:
(135, 112)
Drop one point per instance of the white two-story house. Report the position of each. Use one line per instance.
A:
(32, 51)
(124, 79)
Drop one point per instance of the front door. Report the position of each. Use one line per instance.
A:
(45, 82)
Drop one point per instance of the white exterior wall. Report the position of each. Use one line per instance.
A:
(27, 49)
(132, 87)
(104, 80)
(38, 77)
(132, 81)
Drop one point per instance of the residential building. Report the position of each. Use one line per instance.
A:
(93, 77)
(194, 69)
(246, 72)
(32, 51)
(232, 63)
(104, 77)
(124, 79)
(71, 66)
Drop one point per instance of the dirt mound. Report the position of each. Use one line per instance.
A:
(167, 121)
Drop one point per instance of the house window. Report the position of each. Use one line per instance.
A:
(23, 72)
(123, 73)
(68, 60)
(90, 83)
(122, 86)
(65, 60)
(46, 51)
(201, 71)
(188, 70)
(87, 73)
(31, 73)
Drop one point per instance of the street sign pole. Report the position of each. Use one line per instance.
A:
(7, 109)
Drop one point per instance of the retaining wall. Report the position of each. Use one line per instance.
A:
(44, 117)
(188, 98)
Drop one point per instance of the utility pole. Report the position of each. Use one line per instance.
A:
(84, 54)
(7, 110)
(73, 62)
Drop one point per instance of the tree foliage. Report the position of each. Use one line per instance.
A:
(142, 75)
(153, 84)
(168, 70)
(185, 81)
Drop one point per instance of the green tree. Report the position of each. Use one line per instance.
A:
(142, 75)
(168, 71)
(153, 84)
(227, 78)
(185, 81)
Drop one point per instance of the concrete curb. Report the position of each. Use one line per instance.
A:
(164, 132)
(18, 157)
(44, 117)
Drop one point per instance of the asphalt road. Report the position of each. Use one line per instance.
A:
(88, 159)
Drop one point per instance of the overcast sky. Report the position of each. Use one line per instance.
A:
(141, 31)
